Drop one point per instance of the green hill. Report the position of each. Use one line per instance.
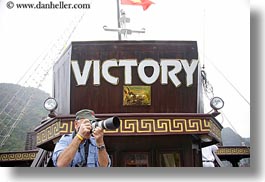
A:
(13, 100)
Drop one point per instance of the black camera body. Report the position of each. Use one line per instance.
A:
(109, 123)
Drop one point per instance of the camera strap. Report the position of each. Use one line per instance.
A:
(86, 149)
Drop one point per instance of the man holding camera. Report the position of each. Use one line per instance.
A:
(84, 147)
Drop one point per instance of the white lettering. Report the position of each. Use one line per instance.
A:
(143, 76)
(81, 79)
(189, 70)
(172, 74)
(96, 72)
(105, 71)
(128, 69)
(170, 68)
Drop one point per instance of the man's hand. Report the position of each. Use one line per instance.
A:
(103, 158)
(85, 128)
(98, 134)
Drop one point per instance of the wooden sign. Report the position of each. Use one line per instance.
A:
(129, 77)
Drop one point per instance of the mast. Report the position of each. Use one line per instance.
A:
(118, 18)
(122, 22)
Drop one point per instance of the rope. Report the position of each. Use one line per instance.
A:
(231, 84)
(34, 79)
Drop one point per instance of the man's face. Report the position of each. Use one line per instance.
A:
(79, 122)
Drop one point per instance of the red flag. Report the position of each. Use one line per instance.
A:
(144, 3)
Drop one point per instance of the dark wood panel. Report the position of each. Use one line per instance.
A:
(152, 145)
(108, 98)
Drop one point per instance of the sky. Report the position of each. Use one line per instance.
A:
(220, 27)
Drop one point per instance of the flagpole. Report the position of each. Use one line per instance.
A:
(122, 21)
(118, 16)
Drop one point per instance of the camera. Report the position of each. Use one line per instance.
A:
(109, 123)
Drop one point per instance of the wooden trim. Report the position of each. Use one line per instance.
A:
(233, 150)
(18, 156)
(138, 124)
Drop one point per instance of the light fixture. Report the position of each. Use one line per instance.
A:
(50, 104)
(217, 103)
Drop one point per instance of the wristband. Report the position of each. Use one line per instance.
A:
(80, 137)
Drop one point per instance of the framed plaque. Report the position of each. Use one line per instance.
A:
(137, 95)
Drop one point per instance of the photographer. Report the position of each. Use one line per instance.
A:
(82, 148)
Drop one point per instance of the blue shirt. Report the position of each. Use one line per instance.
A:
(92, 159)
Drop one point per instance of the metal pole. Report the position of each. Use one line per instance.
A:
(118, 16)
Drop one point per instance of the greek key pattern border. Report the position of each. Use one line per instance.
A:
(21, 156)
(54, 130)
(136, 126)
(158, 126)
(233, 151)
(215, 131)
